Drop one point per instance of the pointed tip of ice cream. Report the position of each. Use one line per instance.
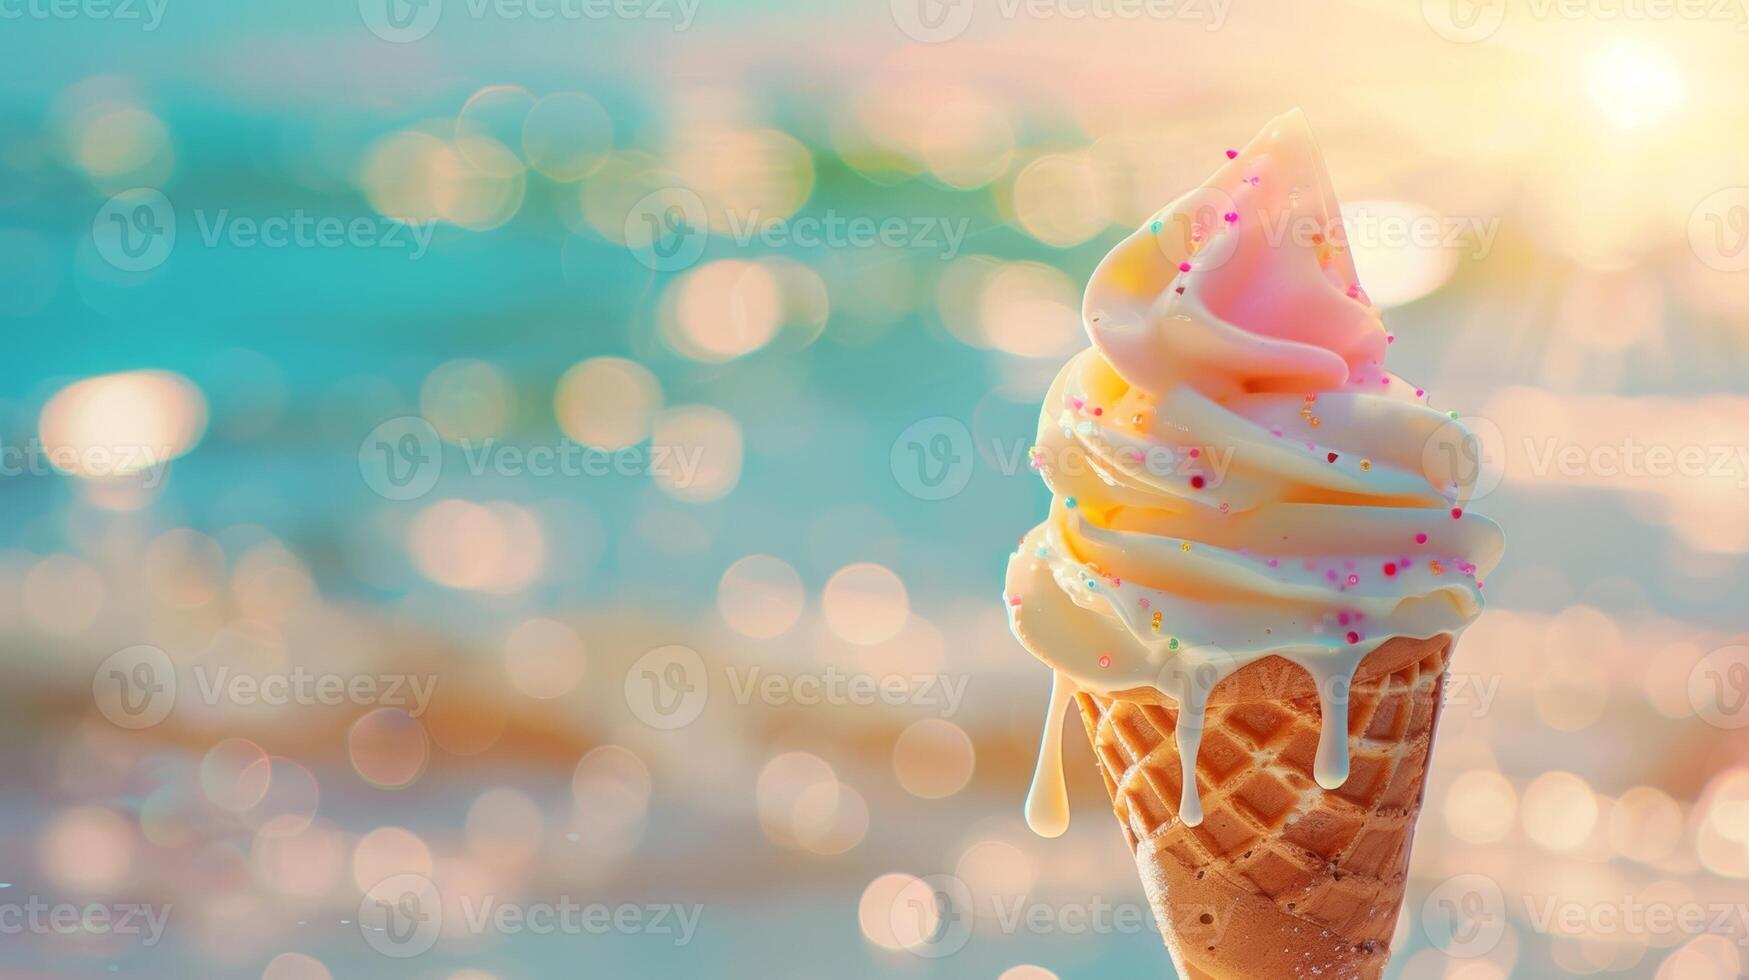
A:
(1291, 149)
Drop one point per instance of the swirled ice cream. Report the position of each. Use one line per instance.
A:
(1234, 473)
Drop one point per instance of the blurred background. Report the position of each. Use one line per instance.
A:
(518, 488)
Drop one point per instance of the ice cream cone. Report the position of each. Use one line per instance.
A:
(1282, 878)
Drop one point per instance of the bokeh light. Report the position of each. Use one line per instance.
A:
(933, 758)
(607, 403)
(389, 748)
(119, 424)
(566, 135)
(495, 547)
(702, 453)
(1559, 811)
(544, 658)
(865, 603)
(760, 596)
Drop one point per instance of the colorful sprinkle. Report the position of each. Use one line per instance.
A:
(1457, 512)
(1184, 547)
(1172, 644)
(1421, 538)
(1366, 466)
(1197, 482)
(1330, 457)
(1097, 411)
(1155, 226)
(1014, 600)
(1353, 637)
(1353, 580)
(1184, 267)
(1232, 154)
(1435, 567)
(1155, 622)
(1069, 502)
(1105, 660)
(1390, 569)
(1231, 216)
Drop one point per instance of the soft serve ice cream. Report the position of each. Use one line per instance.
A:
(1234, 473)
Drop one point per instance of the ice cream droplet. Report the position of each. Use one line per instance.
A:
(1047, 802)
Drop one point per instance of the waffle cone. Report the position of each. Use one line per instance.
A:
(1282, 878)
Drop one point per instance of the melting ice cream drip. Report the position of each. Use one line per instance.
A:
(1047, 802)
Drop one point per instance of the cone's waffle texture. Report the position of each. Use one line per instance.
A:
(1283, 878)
